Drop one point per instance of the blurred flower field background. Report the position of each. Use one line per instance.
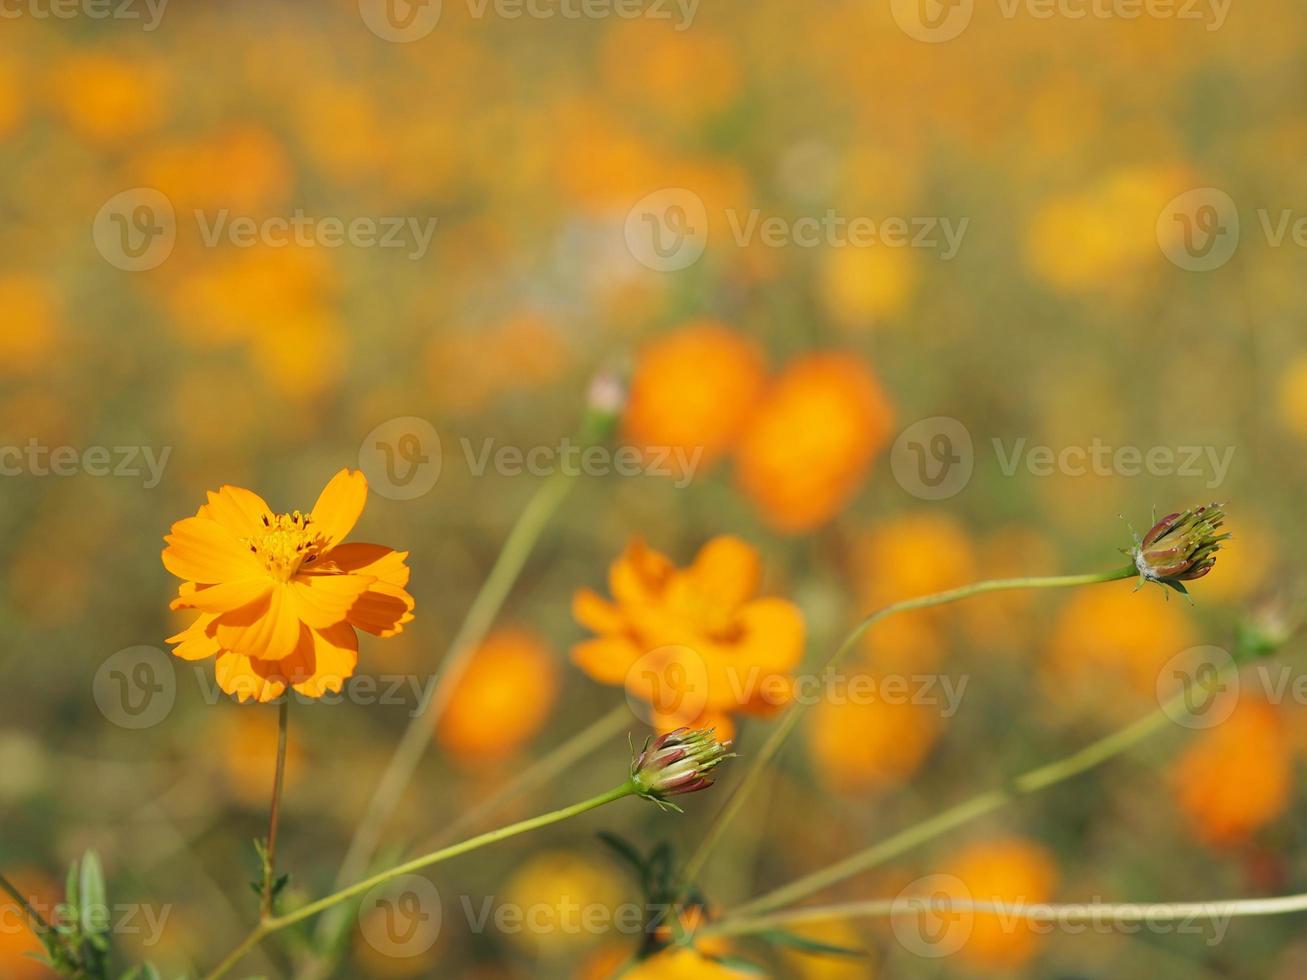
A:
(1085, 300)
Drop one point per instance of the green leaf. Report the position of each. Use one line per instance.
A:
(94, 903)
(803, 943)
(70, 886)
(625, 850)
(145, 971)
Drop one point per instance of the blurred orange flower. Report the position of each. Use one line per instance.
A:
(1012, 870)
(856, 747)
(1237, 776)
(31, 322)
(488, 718)
(809, 446)
(693, 389)
(19, 946)
(683, 964)
(279, 595)
(695, 643)
(109, 97)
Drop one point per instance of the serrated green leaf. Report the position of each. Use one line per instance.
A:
(779, 937)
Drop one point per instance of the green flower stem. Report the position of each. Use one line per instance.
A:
(758, 763)
(275, 924)
(35, 919)
(1025, 784)
(476, 624)
(1069, 914)
(540, 772)
(274, 811)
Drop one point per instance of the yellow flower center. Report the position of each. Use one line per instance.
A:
(286, 543)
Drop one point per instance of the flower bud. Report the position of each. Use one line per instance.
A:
(676, 763)
(1180, 547)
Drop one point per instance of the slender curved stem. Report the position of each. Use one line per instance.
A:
(1029, 782)
(476, 624)
(757, 763)
(1070, 913)
(274, 811)
(271, 925)
(38, 923)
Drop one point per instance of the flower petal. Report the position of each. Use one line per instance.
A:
(333, 655)
(595, 612)
(385, 607)
(727, 570)
(194, 642)
(382, 610)
(239, 510)
(202, 550)
(324, 600)
(238, 675)
(607, 659)
(382, 563)
(268, 629)
(339, 505)
(773, 634)
(225, 597)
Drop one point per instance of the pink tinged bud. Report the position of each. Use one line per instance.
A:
(677, 763)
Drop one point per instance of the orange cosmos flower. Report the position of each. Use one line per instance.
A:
(279, 595)
(695, 643)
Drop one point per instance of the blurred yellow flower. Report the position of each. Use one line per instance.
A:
(31, 327)
(697, 644)
(835, 932)
(1012, 870)
(870, 745)
(692, 390)
(1109, 640)
(503, 698)
(911, 555)
(1293, 396)
(683, 964)
(560, 895)
(864, 287)
(108, 98)
(1237, 776)
(280, 595)
(810, 444)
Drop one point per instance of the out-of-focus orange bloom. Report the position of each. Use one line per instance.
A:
(692, 390)
(1004, 620)
(31, 322)
(18, 944)
(1109, 639)
(108, 98)
(503, 698)
(13, 105)
(1105, 234)
(688, 75)
(469, 367)
(1012, 870)
(248, 761)
(1237, 776)
(280, 595)
(870, 745)
(242, 168)
(810, 444)
(912, 555)
(818, 967)
(683, 964)
(559, 893)
(695, 643)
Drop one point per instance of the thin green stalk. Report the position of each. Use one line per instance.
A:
(1069, 914)
(271, 925)
(38, 923)
(541, 771)
(274, 811)
(476, 624)
(757, 763)
(977, 806)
